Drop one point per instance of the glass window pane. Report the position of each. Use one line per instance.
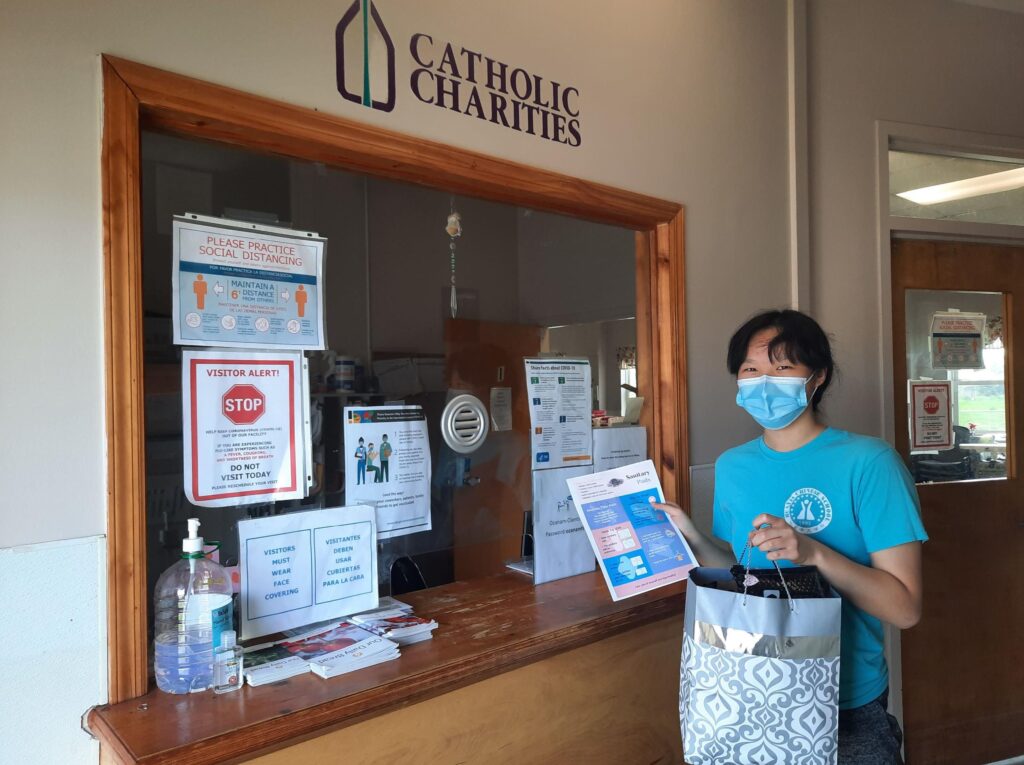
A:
(966, 368)
(945, 187)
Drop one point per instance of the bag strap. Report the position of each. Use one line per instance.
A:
(748, 556)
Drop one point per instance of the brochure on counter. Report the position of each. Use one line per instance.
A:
(638, 547)
(401, 626)
(326, 651)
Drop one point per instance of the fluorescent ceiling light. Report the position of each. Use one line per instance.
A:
(968, 187)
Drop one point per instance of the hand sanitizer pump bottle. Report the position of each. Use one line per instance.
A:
(227, 664)
(192, 607)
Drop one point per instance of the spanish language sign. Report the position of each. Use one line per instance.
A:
(236, 285)
(300, 568)
(559, 394)
(245, 420)
(931, 419)
(956, 340)
(560, 545)
(387, 465)
(637, 547)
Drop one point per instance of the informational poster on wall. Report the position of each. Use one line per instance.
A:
(560, 544)
(245, 420)
(300, 568)
(956, 340)
(931, 419)
(619, 445)
(559, 394)
(637, 547)
(237, 285)
(387, 466)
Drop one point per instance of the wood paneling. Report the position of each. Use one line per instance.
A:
(608, 702)
(136, 95)
(487, 627)
(962, 674)
(126, 473)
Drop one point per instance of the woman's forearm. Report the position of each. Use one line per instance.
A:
(874, 590)
(707, 552)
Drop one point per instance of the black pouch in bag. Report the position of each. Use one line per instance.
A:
(799, 582)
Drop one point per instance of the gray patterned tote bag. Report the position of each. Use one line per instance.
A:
(759, 676)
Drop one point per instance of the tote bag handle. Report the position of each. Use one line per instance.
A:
(748, 557)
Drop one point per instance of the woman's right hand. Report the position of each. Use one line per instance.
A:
(679, 517)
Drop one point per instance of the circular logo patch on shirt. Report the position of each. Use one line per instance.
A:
(808, 511)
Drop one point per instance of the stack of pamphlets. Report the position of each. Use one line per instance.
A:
(268, 663)
(397, 623)
(327, 651)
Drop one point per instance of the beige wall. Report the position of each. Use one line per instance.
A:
(682, 100)
(926, 62)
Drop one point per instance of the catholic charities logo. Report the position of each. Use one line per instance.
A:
(453, 77)
(365, 90)
(808, 511)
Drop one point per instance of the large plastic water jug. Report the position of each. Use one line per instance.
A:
(192, 607)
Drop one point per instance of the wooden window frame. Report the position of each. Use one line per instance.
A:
(137, 97)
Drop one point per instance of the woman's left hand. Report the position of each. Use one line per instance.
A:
(780, 541)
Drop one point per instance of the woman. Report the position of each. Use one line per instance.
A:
(807, 494)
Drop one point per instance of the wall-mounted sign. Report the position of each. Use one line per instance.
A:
(931, 415)
(235, 285)
(559, 394)
(451, 76)
(245, 420)
(956, 340)
(300, 568)
(387, 465)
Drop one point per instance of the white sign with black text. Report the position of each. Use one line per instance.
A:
(301, 568)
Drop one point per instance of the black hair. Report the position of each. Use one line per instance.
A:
(800, 339)
(360, 438)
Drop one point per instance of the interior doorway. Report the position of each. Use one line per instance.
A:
(962, 675)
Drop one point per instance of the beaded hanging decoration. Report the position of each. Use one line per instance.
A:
(454, 230)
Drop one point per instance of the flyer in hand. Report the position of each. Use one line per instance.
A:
(637, 547)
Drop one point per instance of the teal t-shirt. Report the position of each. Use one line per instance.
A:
(851, 493)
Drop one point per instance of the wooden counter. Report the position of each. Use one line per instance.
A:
(486, 627)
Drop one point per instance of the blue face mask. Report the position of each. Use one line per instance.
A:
(774, 402)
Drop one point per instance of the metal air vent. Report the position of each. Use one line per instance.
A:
(464, 423)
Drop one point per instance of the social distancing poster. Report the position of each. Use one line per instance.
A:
(245, 420)
(235, 285)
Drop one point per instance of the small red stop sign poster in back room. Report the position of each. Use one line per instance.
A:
(931, 421)
(245, 427)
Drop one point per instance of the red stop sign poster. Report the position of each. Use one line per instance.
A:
(243, 404)
(245, 423)
(931, 415)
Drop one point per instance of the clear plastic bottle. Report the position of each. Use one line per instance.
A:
(192, 607)
(227, 664)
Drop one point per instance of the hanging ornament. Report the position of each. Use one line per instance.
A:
(454, 230)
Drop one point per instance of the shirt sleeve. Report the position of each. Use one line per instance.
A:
(887, 506)
(721, 519)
